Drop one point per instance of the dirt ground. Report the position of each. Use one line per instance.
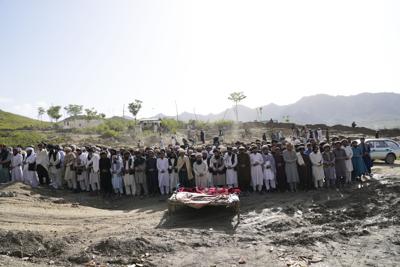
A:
(357, 226)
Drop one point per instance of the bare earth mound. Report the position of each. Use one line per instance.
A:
(357, 226)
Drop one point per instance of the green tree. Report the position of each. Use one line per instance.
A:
(236, 97)
(54, 112)
(91, 114)
(135, 107)
(41, 112)
(73, 110)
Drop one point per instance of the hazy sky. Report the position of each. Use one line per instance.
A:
(103, 54)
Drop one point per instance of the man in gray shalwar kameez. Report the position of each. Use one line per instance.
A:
(292, 176)
(340, 163)
(329, 166)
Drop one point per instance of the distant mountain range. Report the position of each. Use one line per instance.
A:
(373, 110)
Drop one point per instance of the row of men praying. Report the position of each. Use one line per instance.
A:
(253, 167)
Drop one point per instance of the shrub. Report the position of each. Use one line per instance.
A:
(110, 134)
(15, 138)
(172, 125)
(223, 123)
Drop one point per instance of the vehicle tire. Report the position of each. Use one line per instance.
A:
(390, 158)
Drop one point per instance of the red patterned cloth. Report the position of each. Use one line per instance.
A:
(210, 190)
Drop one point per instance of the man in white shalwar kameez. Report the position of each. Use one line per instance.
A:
(54, 167)
(200, 169)
(116, 172)
(69, 162)
(129, 178)
(173, 175)
(62, 159)
(348, 162)
(80, 169)
(230, 160)
(42, 164)
(269, 169)
(30, 175)
(92, 165)
(163, 175)
(16, 166)
(317, 167)
(257, 176)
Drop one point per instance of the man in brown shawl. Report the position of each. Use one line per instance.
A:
(243, 169)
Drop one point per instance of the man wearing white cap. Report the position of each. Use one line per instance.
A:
(92, 166)
(16, 166)
(257, 176)
(230, 160)
(163, 175)
(42, 164)
(69, 162)
(30, 174)
(200, 170)
(80, 168)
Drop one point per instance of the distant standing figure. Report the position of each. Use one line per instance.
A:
(327, 135)
(319, 133)
(202, 137)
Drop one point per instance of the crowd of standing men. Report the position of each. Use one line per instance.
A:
(259, 166)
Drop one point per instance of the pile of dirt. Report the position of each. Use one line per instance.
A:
(117, 251)
(133, 247)
(373, 205)
(30, 244)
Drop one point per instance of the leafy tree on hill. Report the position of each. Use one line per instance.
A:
(91, 114)
(135, 107)
(54, 112)
(236, 97)
(74, 110)
(41, 112)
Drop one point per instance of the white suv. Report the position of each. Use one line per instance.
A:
(384, 149)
